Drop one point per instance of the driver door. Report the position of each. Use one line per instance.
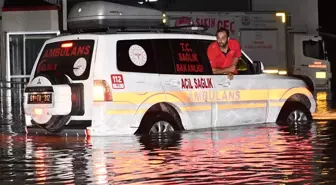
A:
(243, 100)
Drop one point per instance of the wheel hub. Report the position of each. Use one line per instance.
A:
(297, 116)
(161, 127)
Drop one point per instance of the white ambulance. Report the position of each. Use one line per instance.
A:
(148, 81)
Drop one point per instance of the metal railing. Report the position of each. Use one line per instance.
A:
(11, 103)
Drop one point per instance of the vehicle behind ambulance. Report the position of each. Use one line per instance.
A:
(148, 80)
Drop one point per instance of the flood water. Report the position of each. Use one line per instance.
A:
(257, 154)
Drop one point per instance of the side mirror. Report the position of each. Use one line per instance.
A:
(258, 66)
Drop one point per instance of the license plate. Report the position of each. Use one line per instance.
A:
(40, 98)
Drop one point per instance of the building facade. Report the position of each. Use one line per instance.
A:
(303, 13)
(24, 29)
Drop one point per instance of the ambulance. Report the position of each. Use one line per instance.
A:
(269, 38)
(122, 72)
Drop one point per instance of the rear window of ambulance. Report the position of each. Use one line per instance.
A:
(72, 57)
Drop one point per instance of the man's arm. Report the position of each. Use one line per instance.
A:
(219, 64)
(227, 70)
(237, 53)
(235, 61)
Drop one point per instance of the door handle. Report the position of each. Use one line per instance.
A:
(173, 82)
(225, 83)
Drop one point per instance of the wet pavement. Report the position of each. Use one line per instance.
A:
(257, 154)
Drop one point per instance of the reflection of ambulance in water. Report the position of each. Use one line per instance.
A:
(264, 37)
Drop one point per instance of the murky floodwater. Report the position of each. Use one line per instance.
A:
(258, 154)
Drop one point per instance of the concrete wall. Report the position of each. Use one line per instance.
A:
(43, 20)
(304, 12)
(17, 20)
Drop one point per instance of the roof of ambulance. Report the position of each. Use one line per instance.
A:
(131, 35)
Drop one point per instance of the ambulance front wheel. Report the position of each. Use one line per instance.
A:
(158, 123)
(294, 113)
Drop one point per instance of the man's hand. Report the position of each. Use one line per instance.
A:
(230, 76)
(231, 71)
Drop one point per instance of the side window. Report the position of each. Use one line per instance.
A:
(190, 57)
(206, 44)
(204, 51)
(136, 56)
(313, 49)
(164, 56)
(244, 66)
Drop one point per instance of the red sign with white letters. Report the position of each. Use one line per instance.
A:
(117, 81)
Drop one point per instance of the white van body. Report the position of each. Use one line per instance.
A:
(169, 80)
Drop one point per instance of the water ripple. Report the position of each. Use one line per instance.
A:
(263, 154)
(259, 154)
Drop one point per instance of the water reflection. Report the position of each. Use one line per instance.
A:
(11, 108)
(325, 109)
(261, 154)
